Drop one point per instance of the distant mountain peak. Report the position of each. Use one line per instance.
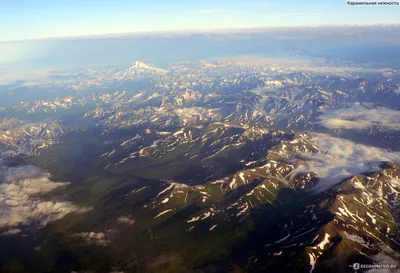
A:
(137, 67)
(138, 63)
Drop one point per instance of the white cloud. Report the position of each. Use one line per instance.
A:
(125, 220)
(340, 159)
(98, 238)
(20, 197)
(12, 231)
(361, 116)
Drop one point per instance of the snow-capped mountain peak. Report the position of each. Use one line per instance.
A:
(138, 67)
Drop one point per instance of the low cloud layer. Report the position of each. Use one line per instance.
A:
(21, 197)
(94, 238)
(125, 220)
(361, 116)
(340, 159)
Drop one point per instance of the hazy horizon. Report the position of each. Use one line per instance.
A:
(356, 44)
(43, 19)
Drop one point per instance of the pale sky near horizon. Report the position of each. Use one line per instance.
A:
(41, 19)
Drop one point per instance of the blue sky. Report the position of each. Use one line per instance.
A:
(38, 19)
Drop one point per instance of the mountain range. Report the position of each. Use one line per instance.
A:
(202, 167)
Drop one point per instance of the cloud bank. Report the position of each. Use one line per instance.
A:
(361, 116)
(21, 200)
(126, 220)
(93, 238)
(340, 159)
